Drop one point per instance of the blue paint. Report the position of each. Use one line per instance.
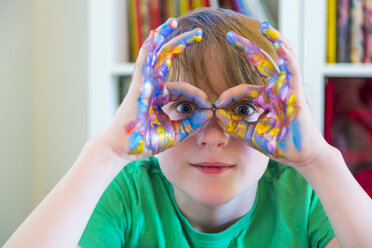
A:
(296, 135)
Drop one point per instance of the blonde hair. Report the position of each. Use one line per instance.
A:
(214, 50)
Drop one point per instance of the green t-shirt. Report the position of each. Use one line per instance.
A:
(138, 210)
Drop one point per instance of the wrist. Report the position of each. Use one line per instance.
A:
(99, 152)
(327, 159)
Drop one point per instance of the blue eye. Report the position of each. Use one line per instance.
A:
(243, 109)
(185, 108)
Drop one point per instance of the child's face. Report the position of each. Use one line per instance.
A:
(211, 143)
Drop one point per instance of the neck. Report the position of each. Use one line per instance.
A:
(215, 218)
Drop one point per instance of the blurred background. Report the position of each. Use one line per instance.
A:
(65, 67)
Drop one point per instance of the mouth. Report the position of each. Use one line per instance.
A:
(212, 167)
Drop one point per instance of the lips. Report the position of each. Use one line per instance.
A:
(212, 167)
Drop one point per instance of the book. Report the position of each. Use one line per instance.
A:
(138, 26)
(214, 3)
(331, 31)
(171, 8)
(132, 30)
(205, 3)
(226, 4)
(145, 21)
(356, 31)
(153, 14)
(242, 7)
(196, 4)
(368, 31)
(184, 6)
(328, 110)
(343, 20)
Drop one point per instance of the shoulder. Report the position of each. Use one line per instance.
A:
(285, 194)
(287, 198)
(284, 177)
(143, 169)
(133, 182)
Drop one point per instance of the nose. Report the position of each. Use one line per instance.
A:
(212, 135)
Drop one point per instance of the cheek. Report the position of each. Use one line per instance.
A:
(172, 161)
(253, 162)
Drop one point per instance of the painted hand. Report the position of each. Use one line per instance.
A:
(284, 119)
(152, 129)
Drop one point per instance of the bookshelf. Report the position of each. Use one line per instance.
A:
(303, 23)
(110, 69)
(348, 70)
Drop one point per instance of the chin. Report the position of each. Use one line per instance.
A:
(213, 195)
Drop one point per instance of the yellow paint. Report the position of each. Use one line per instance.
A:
(274, 131)
(254, 93)
(272, 34)
(198, 38)
(292, 99)
(262, 128)
(139, 148)
(241, 130)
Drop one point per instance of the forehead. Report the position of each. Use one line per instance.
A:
(213, 69)
(209, 78)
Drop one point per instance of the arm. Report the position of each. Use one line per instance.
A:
(60, 219)
(348, 207)
(287, 133)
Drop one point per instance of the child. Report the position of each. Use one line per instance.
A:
(224, 111)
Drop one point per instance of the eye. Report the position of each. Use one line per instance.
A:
(243, 109)
(185, 108)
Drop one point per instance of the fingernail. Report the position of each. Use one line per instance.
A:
(230, 37)
(268, 31)
(279, 47)
(172, 22)
(198, 34)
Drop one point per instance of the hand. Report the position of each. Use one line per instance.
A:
(140, 126)
(284, 129)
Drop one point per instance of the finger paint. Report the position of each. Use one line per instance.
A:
(270, 133)
(152, 129)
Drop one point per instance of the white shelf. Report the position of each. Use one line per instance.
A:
(347, 70)
(122, 69)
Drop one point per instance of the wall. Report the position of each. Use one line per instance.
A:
(15, 114)
(60, 89)
(43, 100)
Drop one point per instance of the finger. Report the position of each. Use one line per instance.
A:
(233, 124)
(173, 48)
(161, 133)
(287, 61)
(193, 122)
(278, 41)
(146, 54)
(167, 27)
(158, 36)
(182, 90)
(246, 91)
(154, 41)
(165, 133)
(272, 34)
(263, 63)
